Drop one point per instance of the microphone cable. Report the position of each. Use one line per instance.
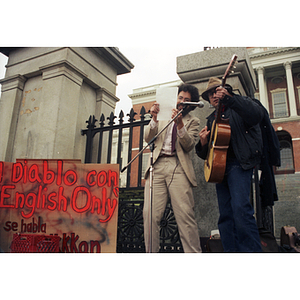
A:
(173, 174)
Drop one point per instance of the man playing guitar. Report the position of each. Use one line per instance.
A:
(237, 225)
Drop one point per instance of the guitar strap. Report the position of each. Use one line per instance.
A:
(222, 109)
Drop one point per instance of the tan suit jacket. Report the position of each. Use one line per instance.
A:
(183, 145)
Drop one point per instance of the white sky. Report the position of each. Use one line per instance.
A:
(152, 65)
(151, 35)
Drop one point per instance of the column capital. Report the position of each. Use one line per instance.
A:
(65, 68)
(107, 97)
(13, 82)
(287, 65)
(290, 86)
(260, 70)
(263, 96)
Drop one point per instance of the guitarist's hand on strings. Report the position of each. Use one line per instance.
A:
(203, 134)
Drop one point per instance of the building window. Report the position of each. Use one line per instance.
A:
(286, 153)
(279, 101)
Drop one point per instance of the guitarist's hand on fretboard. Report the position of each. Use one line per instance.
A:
(221, 92)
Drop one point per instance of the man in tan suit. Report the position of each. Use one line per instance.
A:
(173, 173)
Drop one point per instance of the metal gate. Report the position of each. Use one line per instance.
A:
(119, 143)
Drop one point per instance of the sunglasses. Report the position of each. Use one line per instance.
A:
(211, 92)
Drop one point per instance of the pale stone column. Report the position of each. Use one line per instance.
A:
(47, 116)
(61, 92)
(290, 86)
(12, 88)
(262, 88)
(105, 102)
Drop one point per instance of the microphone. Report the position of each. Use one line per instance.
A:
(199, 104)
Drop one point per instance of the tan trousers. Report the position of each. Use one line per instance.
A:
(169, 178)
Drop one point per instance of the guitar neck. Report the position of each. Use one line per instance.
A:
(229, 69)
(218, 108)
(227, 72)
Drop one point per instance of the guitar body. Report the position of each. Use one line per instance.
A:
(215, 163)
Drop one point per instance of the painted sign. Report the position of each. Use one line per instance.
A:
(78, 202)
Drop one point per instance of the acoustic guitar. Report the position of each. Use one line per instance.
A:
(215, 163)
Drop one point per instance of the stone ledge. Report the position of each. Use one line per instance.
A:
(65, 68)
(13, 82)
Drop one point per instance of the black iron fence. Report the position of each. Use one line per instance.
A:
(105, 144)
(113, 143)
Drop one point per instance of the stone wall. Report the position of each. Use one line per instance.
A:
(287, 208)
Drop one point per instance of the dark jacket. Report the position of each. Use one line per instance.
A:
(270, 158)
(246, 140)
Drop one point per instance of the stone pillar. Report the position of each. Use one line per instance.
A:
(262, 88)
(60, 107)
(12, 88)
(290, 86)
(49, 93)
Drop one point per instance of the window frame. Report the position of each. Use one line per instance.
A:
(275, 114)
(285, 138)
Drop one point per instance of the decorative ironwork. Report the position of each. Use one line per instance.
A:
(102, 119)
(169, 235)
(131, 228)
(105, 141)
(131, 115)
(121, 117)
(111, 119)
(91, 122)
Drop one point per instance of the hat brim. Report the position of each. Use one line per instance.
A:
(204, 95)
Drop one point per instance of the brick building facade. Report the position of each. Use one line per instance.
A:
(278, 82)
